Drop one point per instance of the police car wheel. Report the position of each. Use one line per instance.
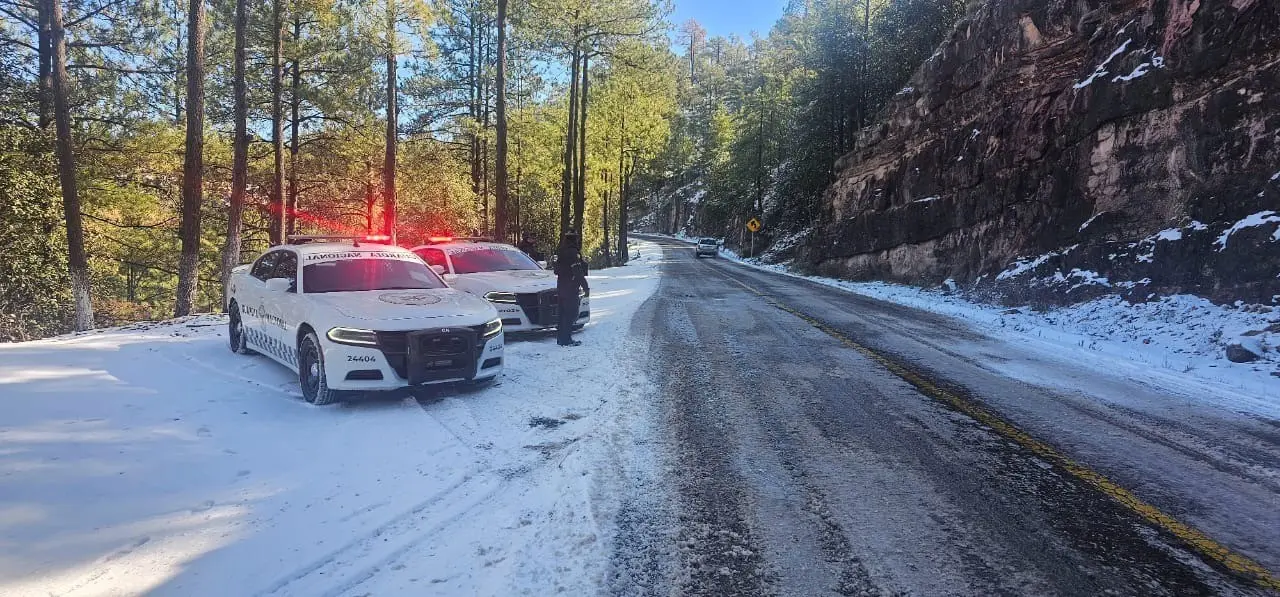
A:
(235, 331)
(315, 387)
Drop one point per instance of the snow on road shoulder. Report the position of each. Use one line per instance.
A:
(1175, 343)
(150, 459)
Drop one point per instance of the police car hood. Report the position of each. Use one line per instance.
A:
(437, 306)
(518, 281)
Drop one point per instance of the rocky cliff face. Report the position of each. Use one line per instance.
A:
(1076, 147)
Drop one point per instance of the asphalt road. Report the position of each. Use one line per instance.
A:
(821, 443)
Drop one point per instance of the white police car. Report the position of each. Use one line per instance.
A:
(354, 317)
(524, 293)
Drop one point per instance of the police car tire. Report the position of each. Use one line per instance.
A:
(308, 349)
(235, 332)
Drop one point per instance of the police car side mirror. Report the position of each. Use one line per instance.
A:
(280, 285)
(438, 269)
(542, 264)
(449, 277)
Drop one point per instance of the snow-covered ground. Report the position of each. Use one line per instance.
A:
(1176, 343)
(150, 459)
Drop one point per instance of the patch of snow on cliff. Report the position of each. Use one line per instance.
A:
(975, 134)
(1138, 71)
(1130, 284)
(927, 199)
(1261, 218)
(1087, 278)
(785, 243)
(906, 90)
(1170, 235)
(1101, 69)
(1090, 221)
(1023, 266)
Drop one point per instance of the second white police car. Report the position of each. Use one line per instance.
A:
(352, 316)
(523, 292)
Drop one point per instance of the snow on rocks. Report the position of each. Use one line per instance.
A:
(1022, 266)
(1101, 69)
(1090, 221)
(149, 459)
(1261, 218)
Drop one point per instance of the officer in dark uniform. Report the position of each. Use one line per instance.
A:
(529, 247)
(571, 275)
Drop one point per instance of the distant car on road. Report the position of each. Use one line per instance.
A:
(522, 291)
(351, 316)
(707, 246)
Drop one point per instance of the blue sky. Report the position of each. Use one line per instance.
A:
(722, 17)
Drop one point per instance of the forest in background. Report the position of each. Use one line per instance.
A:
(146, 146)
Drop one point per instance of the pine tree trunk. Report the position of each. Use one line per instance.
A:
(623, 175)
(580, 189)
(193, 166)
(473, 91)
(484, 143)
(500, 160)
(178, 76)
(571, 135)
(76, 259)
(45, 73)
(295, 123)
(370, 201)
(393, 124)
(239, 149)
(624, 201)
(277, 209)
(760, 159)
(604, 221)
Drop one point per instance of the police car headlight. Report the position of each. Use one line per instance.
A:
(491, 329)
(581, 293)
(501, 297)
(353, 336)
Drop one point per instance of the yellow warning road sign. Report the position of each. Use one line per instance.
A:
(753, 225)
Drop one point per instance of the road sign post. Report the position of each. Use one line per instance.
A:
(754, 226)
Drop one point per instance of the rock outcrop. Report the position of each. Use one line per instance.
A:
(1070, 147)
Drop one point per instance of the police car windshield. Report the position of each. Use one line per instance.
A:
(353, 275)
(489, 259)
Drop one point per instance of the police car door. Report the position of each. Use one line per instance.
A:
(282, 311)
(249, 298)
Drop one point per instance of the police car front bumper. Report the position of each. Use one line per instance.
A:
(404, 359)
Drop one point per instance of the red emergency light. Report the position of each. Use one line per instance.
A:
(377, 238)
(440, 239)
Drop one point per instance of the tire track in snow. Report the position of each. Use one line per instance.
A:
(372, 549)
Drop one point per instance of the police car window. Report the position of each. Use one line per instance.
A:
(433, 257)
(286, 266)
(490, 259)
(354, 275)
(263, 266)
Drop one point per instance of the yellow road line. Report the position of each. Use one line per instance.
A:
(1239, 564)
